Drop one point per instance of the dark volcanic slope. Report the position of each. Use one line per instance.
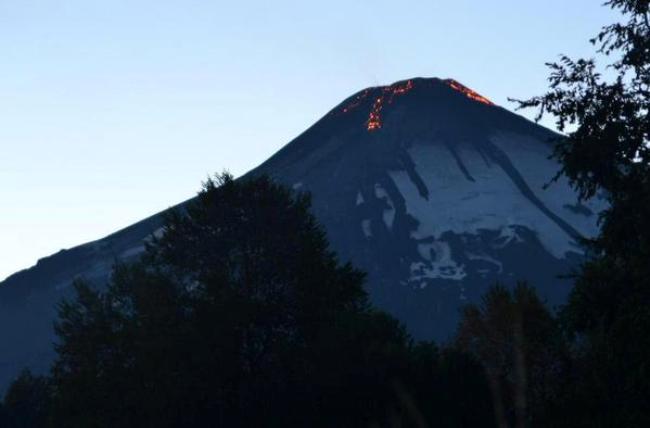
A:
(427, 185)
(437, 193)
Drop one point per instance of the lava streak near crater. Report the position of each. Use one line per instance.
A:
(374, 119)
(453, 84)
(388, 93)
(378, 98)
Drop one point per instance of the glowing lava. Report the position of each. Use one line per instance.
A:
(374, 119)
(387, 92)
(468, 92)
(386, 95)
(400, 89)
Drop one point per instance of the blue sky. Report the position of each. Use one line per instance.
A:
(113, 110)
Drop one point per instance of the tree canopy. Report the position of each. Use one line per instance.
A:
(603, 104)
(238, 314)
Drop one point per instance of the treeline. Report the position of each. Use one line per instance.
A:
(240, 315)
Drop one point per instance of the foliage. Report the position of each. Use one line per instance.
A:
(520, 345)
(26, 403)
(239, 315)
(606, 112)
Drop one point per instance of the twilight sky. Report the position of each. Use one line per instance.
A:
(113, 110)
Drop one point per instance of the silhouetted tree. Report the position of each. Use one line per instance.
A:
(26, 403)
(520, 345)
(240, 315)
(606, 153)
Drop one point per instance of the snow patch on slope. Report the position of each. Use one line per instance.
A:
(389, 213)
(365, 227)
(438, 263)
(491, 202)
(538, 169)
(507, 235)
(359, 198)
(485, 258)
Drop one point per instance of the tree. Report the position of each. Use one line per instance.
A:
(237, 315)
(519, 344)
(606, 152)
(26, 403)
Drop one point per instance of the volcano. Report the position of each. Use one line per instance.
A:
(425, 184)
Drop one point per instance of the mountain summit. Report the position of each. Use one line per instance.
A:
(427, 185)
(438, 193)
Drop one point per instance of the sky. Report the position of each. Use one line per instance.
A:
(111, 111)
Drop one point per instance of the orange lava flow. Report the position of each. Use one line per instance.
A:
(374, 118)
(468, 92)
(401, 89)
